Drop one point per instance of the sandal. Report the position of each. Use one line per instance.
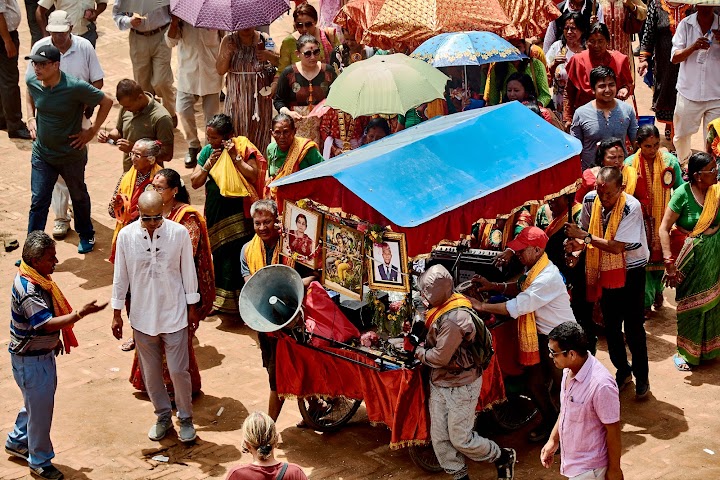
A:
(668, 132)
(128, 346)
(681, 364)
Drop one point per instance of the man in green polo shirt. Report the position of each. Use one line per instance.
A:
(56, 102)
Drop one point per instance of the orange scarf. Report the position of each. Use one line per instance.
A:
(456, 300)
(255, 255)
(299, 148)
(604, 269)
(527, 328)
(60, 304)
(658, 195)
(709, 211)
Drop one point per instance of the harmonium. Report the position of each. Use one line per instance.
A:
(467, 262)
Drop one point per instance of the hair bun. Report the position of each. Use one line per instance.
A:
(264, 450)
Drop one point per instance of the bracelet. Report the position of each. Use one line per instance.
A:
(202, 167)
(504, 287)
(77, 312)
(669, 261)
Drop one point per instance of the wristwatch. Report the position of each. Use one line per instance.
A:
(587, 239)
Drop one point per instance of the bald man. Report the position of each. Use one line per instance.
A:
(154, 261)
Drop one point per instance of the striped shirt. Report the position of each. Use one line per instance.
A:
(30, 308)
(631, 230)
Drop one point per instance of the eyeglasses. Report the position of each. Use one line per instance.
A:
(311, 53)
(712, 170)
(151, 218)
(570, 28)
(137, 155)
(304, 24)
(552, 354)
(159, 189)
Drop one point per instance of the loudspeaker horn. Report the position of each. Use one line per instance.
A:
(272, 298)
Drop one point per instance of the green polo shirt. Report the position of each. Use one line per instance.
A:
(59, 112)
(153, 122)
(276, 158)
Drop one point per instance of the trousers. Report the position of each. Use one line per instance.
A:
(544, 384)
(10, 104)
(150, 356)
(37, 379)
(151, 67)
(61, 202)
(452, 417)
(591, 474)
(686, 120)
(185, 106)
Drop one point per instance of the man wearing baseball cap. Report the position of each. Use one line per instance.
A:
(541, 303)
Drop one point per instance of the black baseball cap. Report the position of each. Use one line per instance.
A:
(46, 53)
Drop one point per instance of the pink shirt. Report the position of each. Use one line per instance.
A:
(588, 402)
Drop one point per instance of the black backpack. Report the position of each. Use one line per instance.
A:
(481, 347)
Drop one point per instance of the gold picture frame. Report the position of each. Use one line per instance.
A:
(387, 264)
(343, 262)
(305, 243)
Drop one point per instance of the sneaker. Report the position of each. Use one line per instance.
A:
(21, 452)
(158, 431)
(60, 230)
(49, 472)
(506, 464)
(187, 430)
(622, 380)
(86, 245)
(642, 389)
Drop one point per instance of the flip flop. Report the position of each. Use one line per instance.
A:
(128, 345)
(681, 364)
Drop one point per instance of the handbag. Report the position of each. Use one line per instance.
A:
(631, 24)
(228, 179)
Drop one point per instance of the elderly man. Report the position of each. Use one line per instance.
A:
(455, 380)
(82, 15)
(56, 102)
(154, 261)
(386, 270)
(197, 51)
(588, 428)
(10, 103)
(140, 117)
(39, 313)
(77, 58)
(612, 229)
(541, 303)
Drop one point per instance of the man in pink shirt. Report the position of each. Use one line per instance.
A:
(588, 428)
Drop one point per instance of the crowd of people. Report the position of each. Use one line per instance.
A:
(640, 218)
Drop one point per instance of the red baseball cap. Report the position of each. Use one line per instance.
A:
(529, 237)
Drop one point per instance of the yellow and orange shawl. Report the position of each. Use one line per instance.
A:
(709, 211)
(604, 269)
(559, 222)
(456, 300)
(630, 177)
(60, 304)
(299, 148)
(527, 328)
(255, 255)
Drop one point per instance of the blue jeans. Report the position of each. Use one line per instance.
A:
(37, 379)
(42, 183)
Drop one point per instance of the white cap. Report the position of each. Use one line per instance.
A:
(58, 21)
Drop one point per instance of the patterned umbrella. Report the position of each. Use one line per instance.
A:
(405, 24)
(466, 48)
(229, 15)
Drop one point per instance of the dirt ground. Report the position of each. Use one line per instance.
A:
(101, 423)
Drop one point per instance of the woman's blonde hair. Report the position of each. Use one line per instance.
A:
(259, 432)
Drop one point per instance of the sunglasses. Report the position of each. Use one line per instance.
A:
(151, 218)
(311, 53)
(304, 24)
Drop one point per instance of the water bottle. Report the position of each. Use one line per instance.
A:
(269, 44)
(703, 54)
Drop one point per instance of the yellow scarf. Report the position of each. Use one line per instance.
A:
(658, 195)
(604, 269)
(231, 182)
(60, 304)
(559, 221)
(629, 179)
(527, 329)
(456, 300)
(715, 126)
(299, 148)
(709, 211)
(255, 255)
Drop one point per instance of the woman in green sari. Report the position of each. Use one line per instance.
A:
(229, 227)
(694, 267)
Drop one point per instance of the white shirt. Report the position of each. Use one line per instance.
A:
(697, 81)
(554, 51)
(75, 10)
(11, 11)
(160, 273)
(551, 36)
(80, 60)
(155, 19)
(198, 50)
(547, 296)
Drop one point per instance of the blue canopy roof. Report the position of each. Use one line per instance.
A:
(422, 172)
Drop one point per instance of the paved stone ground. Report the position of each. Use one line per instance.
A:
(101, 424)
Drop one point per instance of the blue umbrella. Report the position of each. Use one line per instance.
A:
(466, 48)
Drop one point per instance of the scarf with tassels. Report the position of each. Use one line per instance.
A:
(60, 304)
(709, 211)
(527, 328)
(604, 269)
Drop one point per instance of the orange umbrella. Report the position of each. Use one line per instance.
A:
(405, 24)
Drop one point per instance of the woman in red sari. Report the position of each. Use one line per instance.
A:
(169, 185)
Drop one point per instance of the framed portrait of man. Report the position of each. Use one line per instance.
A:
(302, 235)
(387, 265)
(343, 259)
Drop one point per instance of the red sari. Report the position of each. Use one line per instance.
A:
(191, 219)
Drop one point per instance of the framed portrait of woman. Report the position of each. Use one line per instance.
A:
(343, 259)
(303, 230)
(387, 264)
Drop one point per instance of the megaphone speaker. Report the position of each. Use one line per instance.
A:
(272, 298)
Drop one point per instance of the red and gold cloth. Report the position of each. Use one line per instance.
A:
(604, 269)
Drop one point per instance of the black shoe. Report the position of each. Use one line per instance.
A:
(21, 133)
(642, 388)
(17, 452)
(622, 379)
(49, 472)
(191, 157)
(506, 464)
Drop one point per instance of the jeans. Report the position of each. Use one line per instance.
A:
(10, 109)
(626, 306)
(42, 183)
(37, 379)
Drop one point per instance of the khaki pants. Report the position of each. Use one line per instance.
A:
(686, 121)
(186, 113)
(591, 474)
(150, 58)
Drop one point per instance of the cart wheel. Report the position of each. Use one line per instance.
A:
(513, 414)
(424, 457)
(339, 411)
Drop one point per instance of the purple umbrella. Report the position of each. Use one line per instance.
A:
(229, 15)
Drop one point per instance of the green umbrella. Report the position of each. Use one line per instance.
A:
(387, 84)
